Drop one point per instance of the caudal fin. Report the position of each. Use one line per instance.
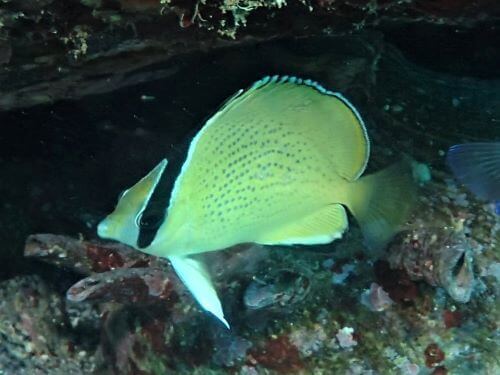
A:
(382, 202)
(477, 166)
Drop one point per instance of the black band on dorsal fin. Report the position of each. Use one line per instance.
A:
(290, 79)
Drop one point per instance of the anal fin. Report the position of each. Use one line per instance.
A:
(320, 227)
(196, 278)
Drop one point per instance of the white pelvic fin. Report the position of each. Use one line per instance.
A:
(196, 278)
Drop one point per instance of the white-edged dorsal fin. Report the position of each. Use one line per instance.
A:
(275, 99)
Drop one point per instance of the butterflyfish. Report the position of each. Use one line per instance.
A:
(277, 164)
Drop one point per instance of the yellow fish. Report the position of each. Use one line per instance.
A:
(277, 164)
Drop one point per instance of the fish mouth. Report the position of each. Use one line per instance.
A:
(103, 229)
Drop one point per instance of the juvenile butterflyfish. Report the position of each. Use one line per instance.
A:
(278, 164)
(477, 166)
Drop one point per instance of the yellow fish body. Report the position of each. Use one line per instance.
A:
(276, 164)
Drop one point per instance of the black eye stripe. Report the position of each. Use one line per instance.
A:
(153, 215)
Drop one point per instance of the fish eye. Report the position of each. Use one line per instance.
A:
(149, 220)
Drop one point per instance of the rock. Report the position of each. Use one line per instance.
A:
(84, 257)
(35, 336)
(279, 289)
(129, 286)
(62, 51)
(440, 257)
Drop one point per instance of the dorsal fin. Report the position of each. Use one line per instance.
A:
(272, 94)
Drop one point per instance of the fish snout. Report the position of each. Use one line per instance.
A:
(103, 229)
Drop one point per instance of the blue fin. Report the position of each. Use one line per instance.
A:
(196, 278)
(477, 166)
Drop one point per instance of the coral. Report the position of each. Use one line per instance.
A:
(345, 338)
(309, 341)
(439, 256)
(376, 298)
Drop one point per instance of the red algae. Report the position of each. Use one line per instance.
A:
(396, 283)
(433, 355)
(279, 354)
(103, 259)
(154, 331)
(452, 318)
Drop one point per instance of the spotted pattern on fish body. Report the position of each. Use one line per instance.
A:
(268, 155)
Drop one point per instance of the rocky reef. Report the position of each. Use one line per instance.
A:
(65, 49)
(39, 330)
(431, 302)
(292, 311)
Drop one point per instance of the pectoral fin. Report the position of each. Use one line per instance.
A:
(196, 278)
